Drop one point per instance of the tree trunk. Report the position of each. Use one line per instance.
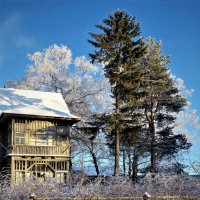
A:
(95, 162)
(153, 139)
(135, 164)
(94, 157)
(116, 170)
(117, 134)
(153, 149)
(124, 160)
(70, 160)
(129, 161)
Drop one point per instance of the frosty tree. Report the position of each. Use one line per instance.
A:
(81, 83)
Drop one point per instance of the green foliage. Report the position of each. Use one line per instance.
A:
(120, 49)
(119, 46)
(161, 100)
(145, 96)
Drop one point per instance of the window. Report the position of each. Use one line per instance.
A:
(20, 138)
(42, 137)
(50, 137)
(20, 133)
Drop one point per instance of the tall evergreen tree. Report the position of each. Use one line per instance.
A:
(153, 94)
(161, 101)
(119, 48)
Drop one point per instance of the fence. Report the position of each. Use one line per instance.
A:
(126, 198)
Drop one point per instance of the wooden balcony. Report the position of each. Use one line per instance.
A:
(28, 150)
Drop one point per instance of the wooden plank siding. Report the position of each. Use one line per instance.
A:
(35, 147)
(40, 133)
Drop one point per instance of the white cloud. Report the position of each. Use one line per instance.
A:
(12, 35)
(11, 22)
(188, 121)
(181, 87)
(22, 41)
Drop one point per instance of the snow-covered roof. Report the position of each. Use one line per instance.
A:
(28, 102)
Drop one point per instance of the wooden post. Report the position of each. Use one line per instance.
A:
(32, 197)
(12, 169)
(146, 196)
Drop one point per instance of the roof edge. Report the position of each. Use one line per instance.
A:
(72, 119)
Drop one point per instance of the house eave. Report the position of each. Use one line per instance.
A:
(70, 120)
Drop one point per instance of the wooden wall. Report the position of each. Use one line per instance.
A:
(34, 142)
(5, 133)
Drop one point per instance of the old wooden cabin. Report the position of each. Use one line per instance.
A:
(34, 130)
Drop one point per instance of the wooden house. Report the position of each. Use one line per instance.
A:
(34, 130)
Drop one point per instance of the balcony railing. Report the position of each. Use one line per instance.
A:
(28, 150)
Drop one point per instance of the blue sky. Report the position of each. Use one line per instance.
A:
(29, 26)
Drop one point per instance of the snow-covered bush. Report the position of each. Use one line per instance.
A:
(80, 186)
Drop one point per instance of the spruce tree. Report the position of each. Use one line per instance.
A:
(161, 101)
(119, 48)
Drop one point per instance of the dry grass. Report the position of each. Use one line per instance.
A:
(80, 187)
